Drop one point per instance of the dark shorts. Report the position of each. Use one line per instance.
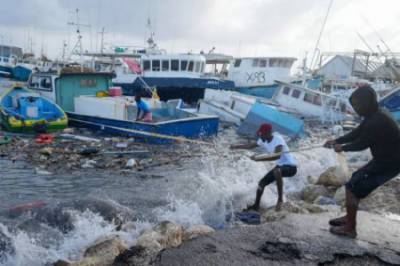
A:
(371, 176)
(286, 170)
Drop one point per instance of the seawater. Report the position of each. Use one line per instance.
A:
(204, 189)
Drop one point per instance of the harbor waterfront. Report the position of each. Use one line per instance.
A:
(199, 133)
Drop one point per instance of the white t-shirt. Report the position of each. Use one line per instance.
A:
(269, 147)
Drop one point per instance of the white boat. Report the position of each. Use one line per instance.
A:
(311, 103)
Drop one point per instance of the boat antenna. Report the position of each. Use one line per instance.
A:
(78, 45)
(316, 50)
(102, 32)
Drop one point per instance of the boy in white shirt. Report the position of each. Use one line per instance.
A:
(286, 166)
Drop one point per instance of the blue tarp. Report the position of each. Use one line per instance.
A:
(283, 123)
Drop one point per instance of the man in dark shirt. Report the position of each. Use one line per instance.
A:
(379, 132)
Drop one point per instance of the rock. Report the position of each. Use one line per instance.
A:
(6, 247)
(164, 235)
(340, 195)
(335, 176)
(270, 215)
(321, 200)
(131, 163)
(298, 239)
(196, 231)
(135, 256)
(312, 192)
(103, 252)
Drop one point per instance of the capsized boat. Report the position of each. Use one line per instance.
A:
(22, 110)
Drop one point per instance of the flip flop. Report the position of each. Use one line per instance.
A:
(338, 221)
(339, 231)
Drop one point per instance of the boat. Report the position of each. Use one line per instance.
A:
(248, 112)
(22, 110)
(78, 94)
(256, 75)
(311, 104)
(391, 102)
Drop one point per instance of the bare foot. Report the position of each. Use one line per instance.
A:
(278, 206)
(343, 231)
(341, 221)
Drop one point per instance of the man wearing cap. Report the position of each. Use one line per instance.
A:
(286, 165)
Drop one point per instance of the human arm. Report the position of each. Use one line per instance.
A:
(344, 139)
(275, 156)
(363, 141)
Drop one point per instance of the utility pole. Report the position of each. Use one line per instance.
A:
(78, 45)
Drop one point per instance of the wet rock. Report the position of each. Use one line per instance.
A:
(288, 207)
(312, 192)
(136, 256)
(196, 231)
(164, 235)
(62, 263)
(335, 176)
(297, 239)
(102, 253)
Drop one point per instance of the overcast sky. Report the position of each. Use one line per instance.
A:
(236, 27)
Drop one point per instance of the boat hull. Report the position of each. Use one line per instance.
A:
(192, 128)
(188, 89)
(12, 124)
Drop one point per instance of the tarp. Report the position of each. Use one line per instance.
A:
(281, 122)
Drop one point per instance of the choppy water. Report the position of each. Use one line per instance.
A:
(80, 206)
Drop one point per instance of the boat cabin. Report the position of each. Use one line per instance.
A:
(259, 71)
(310, 103)
(173, 65)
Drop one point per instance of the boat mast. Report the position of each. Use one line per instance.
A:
(78, 45)
(316, 50)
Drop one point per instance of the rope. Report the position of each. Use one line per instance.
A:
(272, 155)
(150, 134)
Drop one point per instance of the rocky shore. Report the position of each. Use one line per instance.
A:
(297, 235)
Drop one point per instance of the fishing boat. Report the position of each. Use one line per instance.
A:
(81, 95)
(256, 75)
(311, 104)
(22, 110)
(391, 102)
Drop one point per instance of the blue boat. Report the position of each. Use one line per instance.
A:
(391, 102)
(21, 110)
(282, 122)
(79, 95)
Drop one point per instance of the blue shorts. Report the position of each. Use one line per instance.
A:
(371, 176)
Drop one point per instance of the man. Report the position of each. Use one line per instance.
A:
(286, 164)
(143, 110)
(378, 132)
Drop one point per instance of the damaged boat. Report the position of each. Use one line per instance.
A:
(84, 98)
